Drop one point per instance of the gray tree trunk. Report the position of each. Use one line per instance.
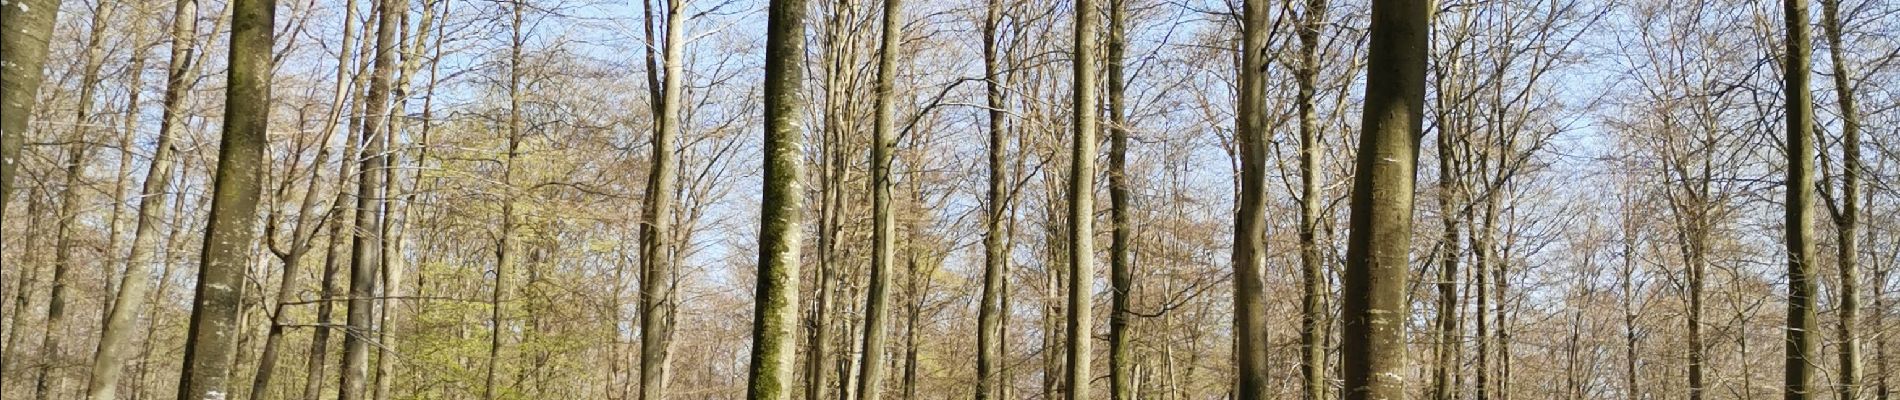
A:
(25, 28)
(989, 357)
(1082, 205)
(884, 229)
(1374, 309)
(775, 317)
(366, 244)
(1798, 372)
(122, 320)
(656, 281)
(232, 230)
(1250, 223)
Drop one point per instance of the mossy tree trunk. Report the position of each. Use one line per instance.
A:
(775, 316)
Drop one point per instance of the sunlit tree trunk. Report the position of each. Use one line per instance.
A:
(656, 281)
(367, 243)
(1121, 274)
(1313, 289)
(989, 320)
(77, 154)
(25, 28)
(1377, 252)
(122, 320)
(1082, 206)
(781, 206)
(1847, 213)
(884, 229)
(231, 232)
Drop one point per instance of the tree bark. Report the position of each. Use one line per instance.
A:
(775, 315)
(1121, 274)
(1798, 373)
(367, 242)
(1375, 308)
(1250, 225)
(77, 155)
(1082, 205)
(27, 26)
(656, 281)
(1847, 217)
(231, 231)
(989, 355)
(884, 229)
(1312, 281)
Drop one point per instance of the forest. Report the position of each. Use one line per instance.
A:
(987, 199)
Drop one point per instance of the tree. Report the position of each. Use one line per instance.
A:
(231, 232)
(1798, 373)
(1845, 209)
(1121, 274)
(884, 229)
(1251, 136)
(28, 28)
(1082, 205)
(657, 278)
(77, 155)
(775, 314)
(366, 244)
(989, 330)
(1312, 281)
(122, 320)
(1374, 311)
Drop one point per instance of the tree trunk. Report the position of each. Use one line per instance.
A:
(1313, 289)
(77, 155)
(505, 251)
(1798, 374)
(1251, 136)
(115, 337)
(1375, 308)
(27, 26)
(884, 230)
(315, 366)
(989, 330)
(656, 281)
(1121, 274)
(231, 231)
(781, 206)
(366, 245)
(1082, 205)
(1847, 219)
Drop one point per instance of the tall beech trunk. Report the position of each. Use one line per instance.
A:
(1121, 274)
(989, 329)
(781, 209)
(315, 365)
(1802, 335)
(77, 154)
(1374, 309)
(366, 245)
(1082, 205)
(656, 280)
(231, 231)
(1847, 214)
(884, 229)
(122, 320)
(505, 252)
(1252, 136)
(1313, 289)
(26, 26)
